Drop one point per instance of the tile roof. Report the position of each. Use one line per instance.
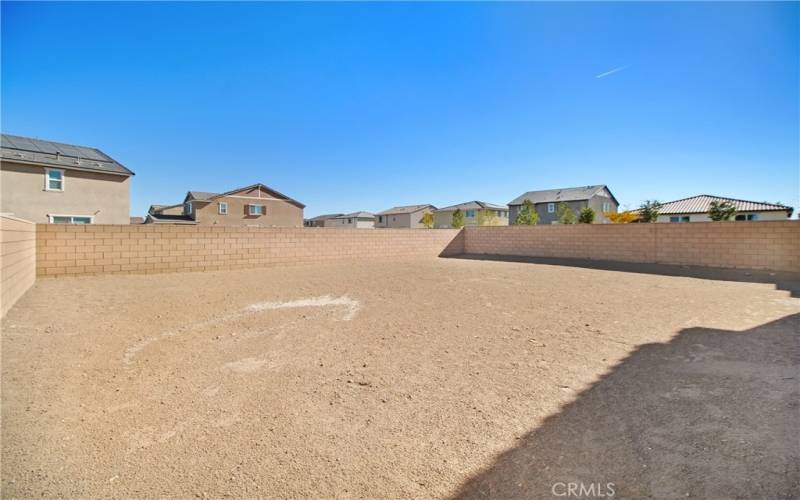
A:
(57, 154)
(702, 203)
(557, 195)
(407, 209)
(357, 215)
(324, 217)
(200, 195)
(473, 205)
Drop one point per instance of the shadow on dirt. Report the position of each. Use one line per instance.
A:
(782, 280)
(711, 414)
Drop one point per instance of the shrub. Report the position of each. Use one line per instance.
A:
(427, 220)
(458, 219)
(526, 215)
(487, 218)
(625, 217)
(586, 216)
(721, 210)
(648, 211)
(565, 214)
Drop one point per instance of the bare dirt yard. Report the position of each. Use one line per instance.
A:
(425, 378)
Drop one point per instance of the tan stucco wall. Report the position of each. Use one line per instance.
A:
(762, 216)
(443, 219)
(279, 213)
(17, 260)
(104, 196)
(412, 220)
(353, 224)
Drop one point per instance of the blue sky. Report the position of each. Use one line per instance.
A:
(362, 106)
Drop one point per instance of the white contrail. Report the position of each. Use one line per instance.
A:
(611, 72)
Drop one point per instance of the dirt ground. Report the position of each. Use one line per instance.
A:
(426, 378)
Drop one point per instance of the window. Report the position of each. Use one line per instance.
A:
(349, 221)
(394, 218)
(747, 217)
(54, 180)
(679, 218)
(380, 218)
(470, 213)
(188, 209)
(223, 208)
(255, 209)
(606, 206)
(551, 208)
(71, 219)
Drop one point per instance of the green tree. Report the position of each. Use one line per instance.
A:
(565, 214)
(721, 210)
(487, 218)
(586, 216)
(458, 219)
(527, 215)
(648, 211)
(427, 220)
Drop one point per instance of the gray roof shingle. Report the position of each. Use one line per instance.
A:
(357, 215)
(57, 154)
(473, 205)
(407, 209)
(558, 195)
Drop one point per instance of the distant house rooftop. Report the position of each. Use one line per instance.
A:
(561, 194)
(702, 203)
(57, 154)
(324, 217)
(473, 205)
(206, 196)
(357, 215)
(406, 209)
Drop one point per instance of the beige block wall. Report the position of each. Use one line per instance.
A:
(17, 260)
(149, 248)
(771, 245)
(104, 196)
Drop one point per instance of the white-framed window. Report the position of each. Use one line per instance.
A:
(551, 208)
(70, 219)
(470, 213)
(679, 218)
(223, 208)
(188, 209)
(380, 219)
(54, 179)
(746, 217)
(606, 206)
(255, 209)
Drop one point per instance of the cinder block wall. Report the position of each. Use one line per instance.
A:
(17, 260)
(766, 245)
(146, 248)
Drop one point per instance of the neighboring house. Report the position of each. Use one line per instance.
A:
(546, 202)
(254, 206)
(355, 220)
(51, 182)
(695, 209)
(498, 214)
(409, 216)
(319, 220)
(137, 220)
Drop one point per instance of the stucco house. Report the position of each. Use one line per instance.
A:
(546, 202)
(319, 220)
(409, 216)
(496, 215)
(52, 182)
(355, 220)
(252, 206)
(695, 209)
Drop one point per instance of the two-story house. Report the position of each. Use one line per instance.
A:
(254, 206)
(52, 182)
(546, 202)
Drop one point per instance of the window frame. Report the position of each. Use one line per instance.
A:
(47, 179)
(221, 204)
(51, 218)
(468, 212)
(551, 208)
(261, 210)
